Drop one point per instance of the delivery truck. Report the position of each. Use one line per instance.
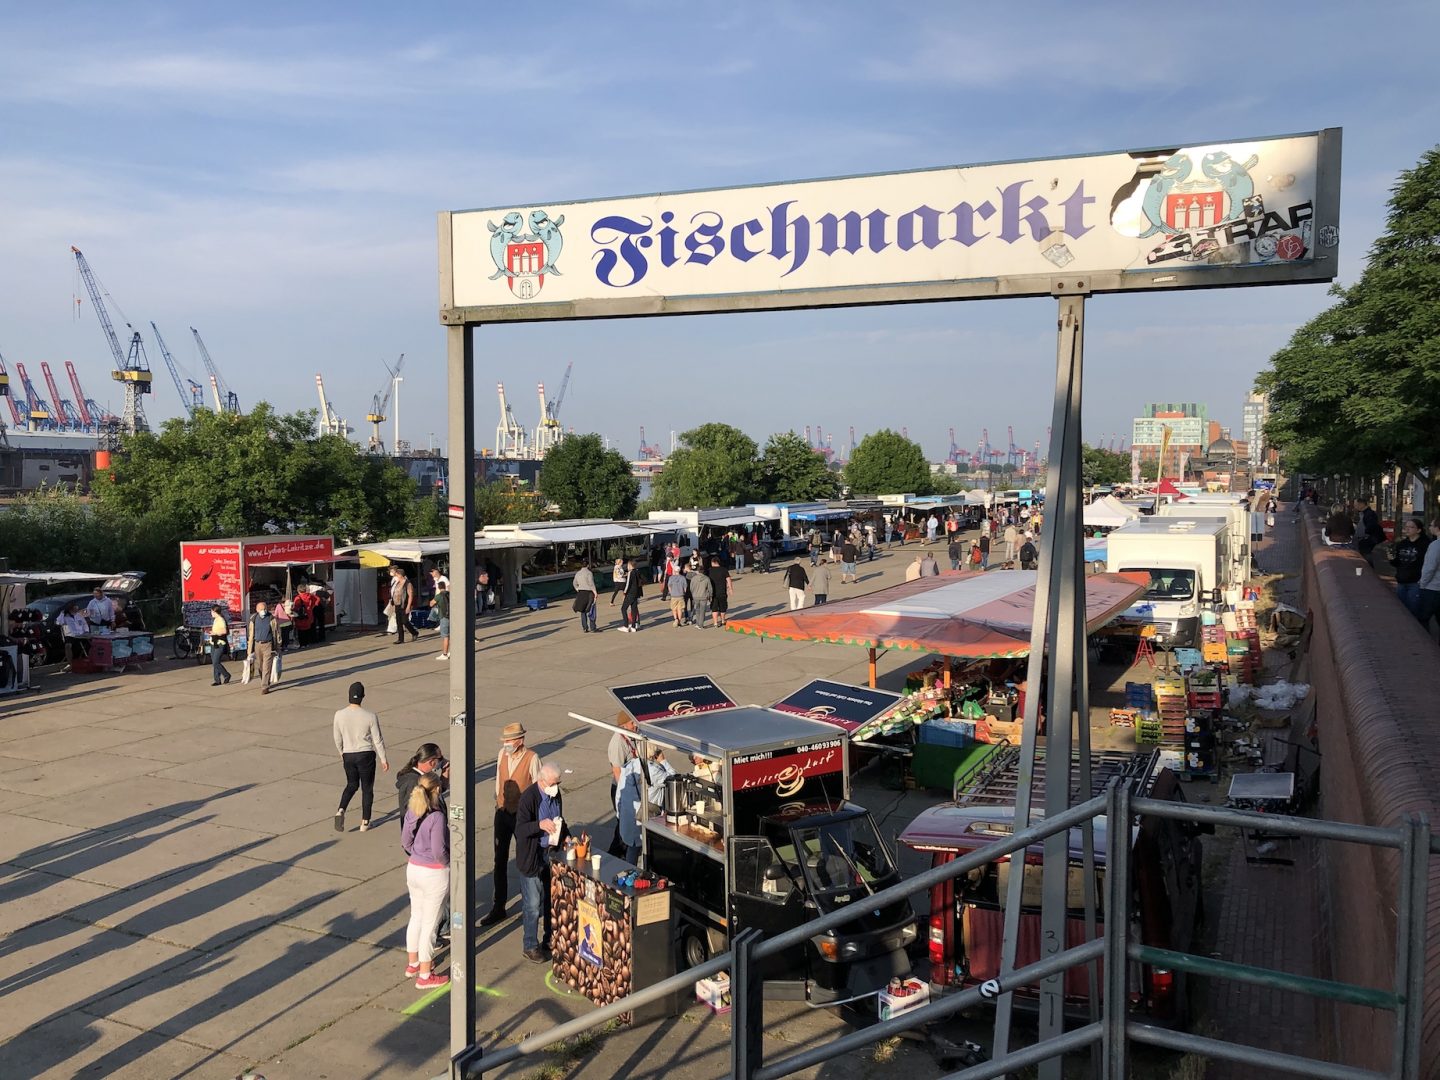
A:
(1236, 515)
(1189, 561)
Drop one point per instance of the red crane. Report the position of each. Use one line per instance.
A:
(67, 415)
(10, 396)
(80, 403)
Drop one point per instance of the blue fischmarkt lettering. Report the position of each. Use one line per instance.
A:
(627, 246)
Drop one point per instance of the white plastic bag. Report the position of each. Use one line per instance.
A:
(249, 668)
(275, 670)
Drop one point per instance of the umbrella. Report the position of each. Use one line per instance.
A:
(972, 615)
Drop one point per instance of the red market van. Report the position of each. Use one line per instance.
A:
(967, 914)
(228, 572)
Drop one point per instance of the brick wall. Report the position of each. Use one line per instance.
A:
(1377, 681)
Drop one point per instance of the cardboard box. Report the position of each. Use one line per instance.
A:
(714, 993)
(913, 994)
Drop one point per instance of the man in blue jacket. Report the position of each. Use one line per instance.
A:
(539, 829)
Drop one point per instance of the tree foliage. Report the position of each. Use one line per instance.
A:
(216, 474)
(1358, 386)
(715, 465)
(887, 463)
(1101, 466)
(791, 471)
(588, 481)
(497, 504)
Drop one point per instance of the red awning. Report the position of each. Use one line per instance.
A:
(1167, 487)
(975, 615)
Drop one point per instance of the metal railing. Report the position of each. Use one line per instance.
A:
(1116, 1028)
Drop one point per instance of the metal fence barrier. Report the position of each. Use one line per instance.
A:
(1115, 1029)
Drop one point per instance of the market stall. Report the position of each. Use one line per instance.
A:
(557, 549)
(236, 573)
(1108, 512)
(362, 590)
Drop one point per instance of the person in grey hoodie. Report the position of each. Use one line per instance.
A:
(357, 737)
(584, 585)
(701, 592)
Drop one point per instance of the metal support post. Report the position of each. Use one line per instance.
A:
(462, 803)
(747, 1017)
(1059, 626)
(1410, 911)
(1117, 936)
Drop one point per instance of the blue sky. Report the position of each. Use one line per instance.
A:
(270, 174)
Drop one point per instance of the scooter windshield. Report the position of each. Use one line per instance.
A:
(842, 860)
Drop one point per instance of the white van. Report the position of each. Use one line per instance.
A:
(1188, 560)
(1235, 514)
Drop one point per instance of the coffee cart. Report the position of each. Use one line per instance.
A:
(769, 840)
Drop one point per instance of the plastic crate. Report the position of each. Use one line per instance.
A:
(538, 603)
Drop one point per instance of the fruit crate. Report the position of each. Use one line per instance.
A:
(1148, 731)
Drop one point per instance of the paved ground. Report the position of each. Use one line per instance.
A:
(175, 902)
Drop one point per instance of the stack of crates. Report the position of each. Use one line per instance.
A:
(1140, 698)
(1242, 650)
(1172, 703)
(1201, 757)
(1212, 645)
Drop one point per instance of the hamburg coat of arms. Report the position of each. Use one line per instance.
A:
(524, 258)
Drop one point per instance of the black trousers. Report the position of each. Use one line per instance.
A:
(504, 834)
(359, 775)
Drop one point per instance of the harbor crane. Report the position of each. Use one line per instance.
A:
(648, 452)
(192, 394)
(549, 432)
(38, 413)
(69, 415)
(510, 437)
(132, 369)
(380, 403)
(9, 395)
(330, 424)
(92, 412)
(955, 455)
(225, 399)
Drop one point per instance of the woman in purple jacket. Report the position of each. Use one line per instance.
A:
(426, 840)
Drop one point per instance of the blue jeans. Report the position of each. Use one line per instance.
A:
(739, 563)
(814, 555)
(587, 617)
(535, 909)
(217, 657)
(984, 560)
(847, 568)
(1410, 596)
(954, 564)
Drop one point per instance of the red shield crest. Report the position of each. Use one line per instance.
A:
(524, 259)
(1189, 210)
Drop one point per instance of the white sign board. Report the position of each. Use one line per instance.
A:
(1231, 213)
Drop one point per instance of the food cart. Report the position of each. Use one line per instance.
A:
(236, 573)
(768, 839)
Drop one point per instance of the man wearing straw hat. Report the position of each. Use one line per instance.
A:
(516, 768)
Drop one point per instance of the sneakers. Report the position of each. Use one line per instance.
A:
(443, 656)
(431, 981)
(364, 826)
(412, 970)
(339, 820)
(495, 915)
(535, 956)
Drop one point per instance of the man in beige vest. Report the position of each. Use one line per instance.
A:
(516, 769)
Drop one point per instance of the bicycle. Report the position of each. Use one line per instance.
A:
(189, 640)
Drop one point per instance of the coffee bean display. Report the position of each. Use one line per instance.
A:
(611, 911)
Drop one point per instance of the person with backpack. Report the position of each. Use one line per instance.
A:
(1029, 555)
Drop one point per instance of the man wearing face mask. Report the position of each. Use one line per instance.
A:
(261, 636)
(516, 770)
(539, 828)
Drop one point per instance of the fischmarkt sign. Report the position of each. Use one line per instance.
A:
(1243, 212)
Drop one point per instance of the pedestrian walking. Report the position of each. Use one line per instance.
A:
(440, 606)
(585, 592)
(975, 556)
(262, 634)
(358, 739)
(737, 552)
(815, 545)
(929, 567)
(402, 596)
(721, 585)
(913, 571)
(426, 840)
(701, 592)
(956, 551)
(984, 544)
(516, 771)
(630, 605)
(1369, 533)
(219, 642)
(932, 526)
(820, 584)
(539, 828)
(675, 586)
(1012, 544)
(1029, 554)
(848, 556)
(795, 581)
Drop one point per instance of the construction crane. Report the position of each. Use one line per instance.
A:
(330, 424)
(380, 403)
(852, 443)
(68, 414)
(38, 413)
(955, 455)
(509, 435)
(226, 401)
(192, 394)
(91, 412)
(1013, 454)
(132, 369)
(9, 395)
(648, 452)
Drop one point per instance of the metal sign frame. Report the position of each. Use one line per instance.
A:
(1060, 613)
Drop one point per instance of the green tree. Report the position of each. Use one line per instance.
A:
(716, 465)
(1101, 466)
(792, 471)
(497, 504)
(216, 474)
(887, 463)
(588, 481)
(1358, 386)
